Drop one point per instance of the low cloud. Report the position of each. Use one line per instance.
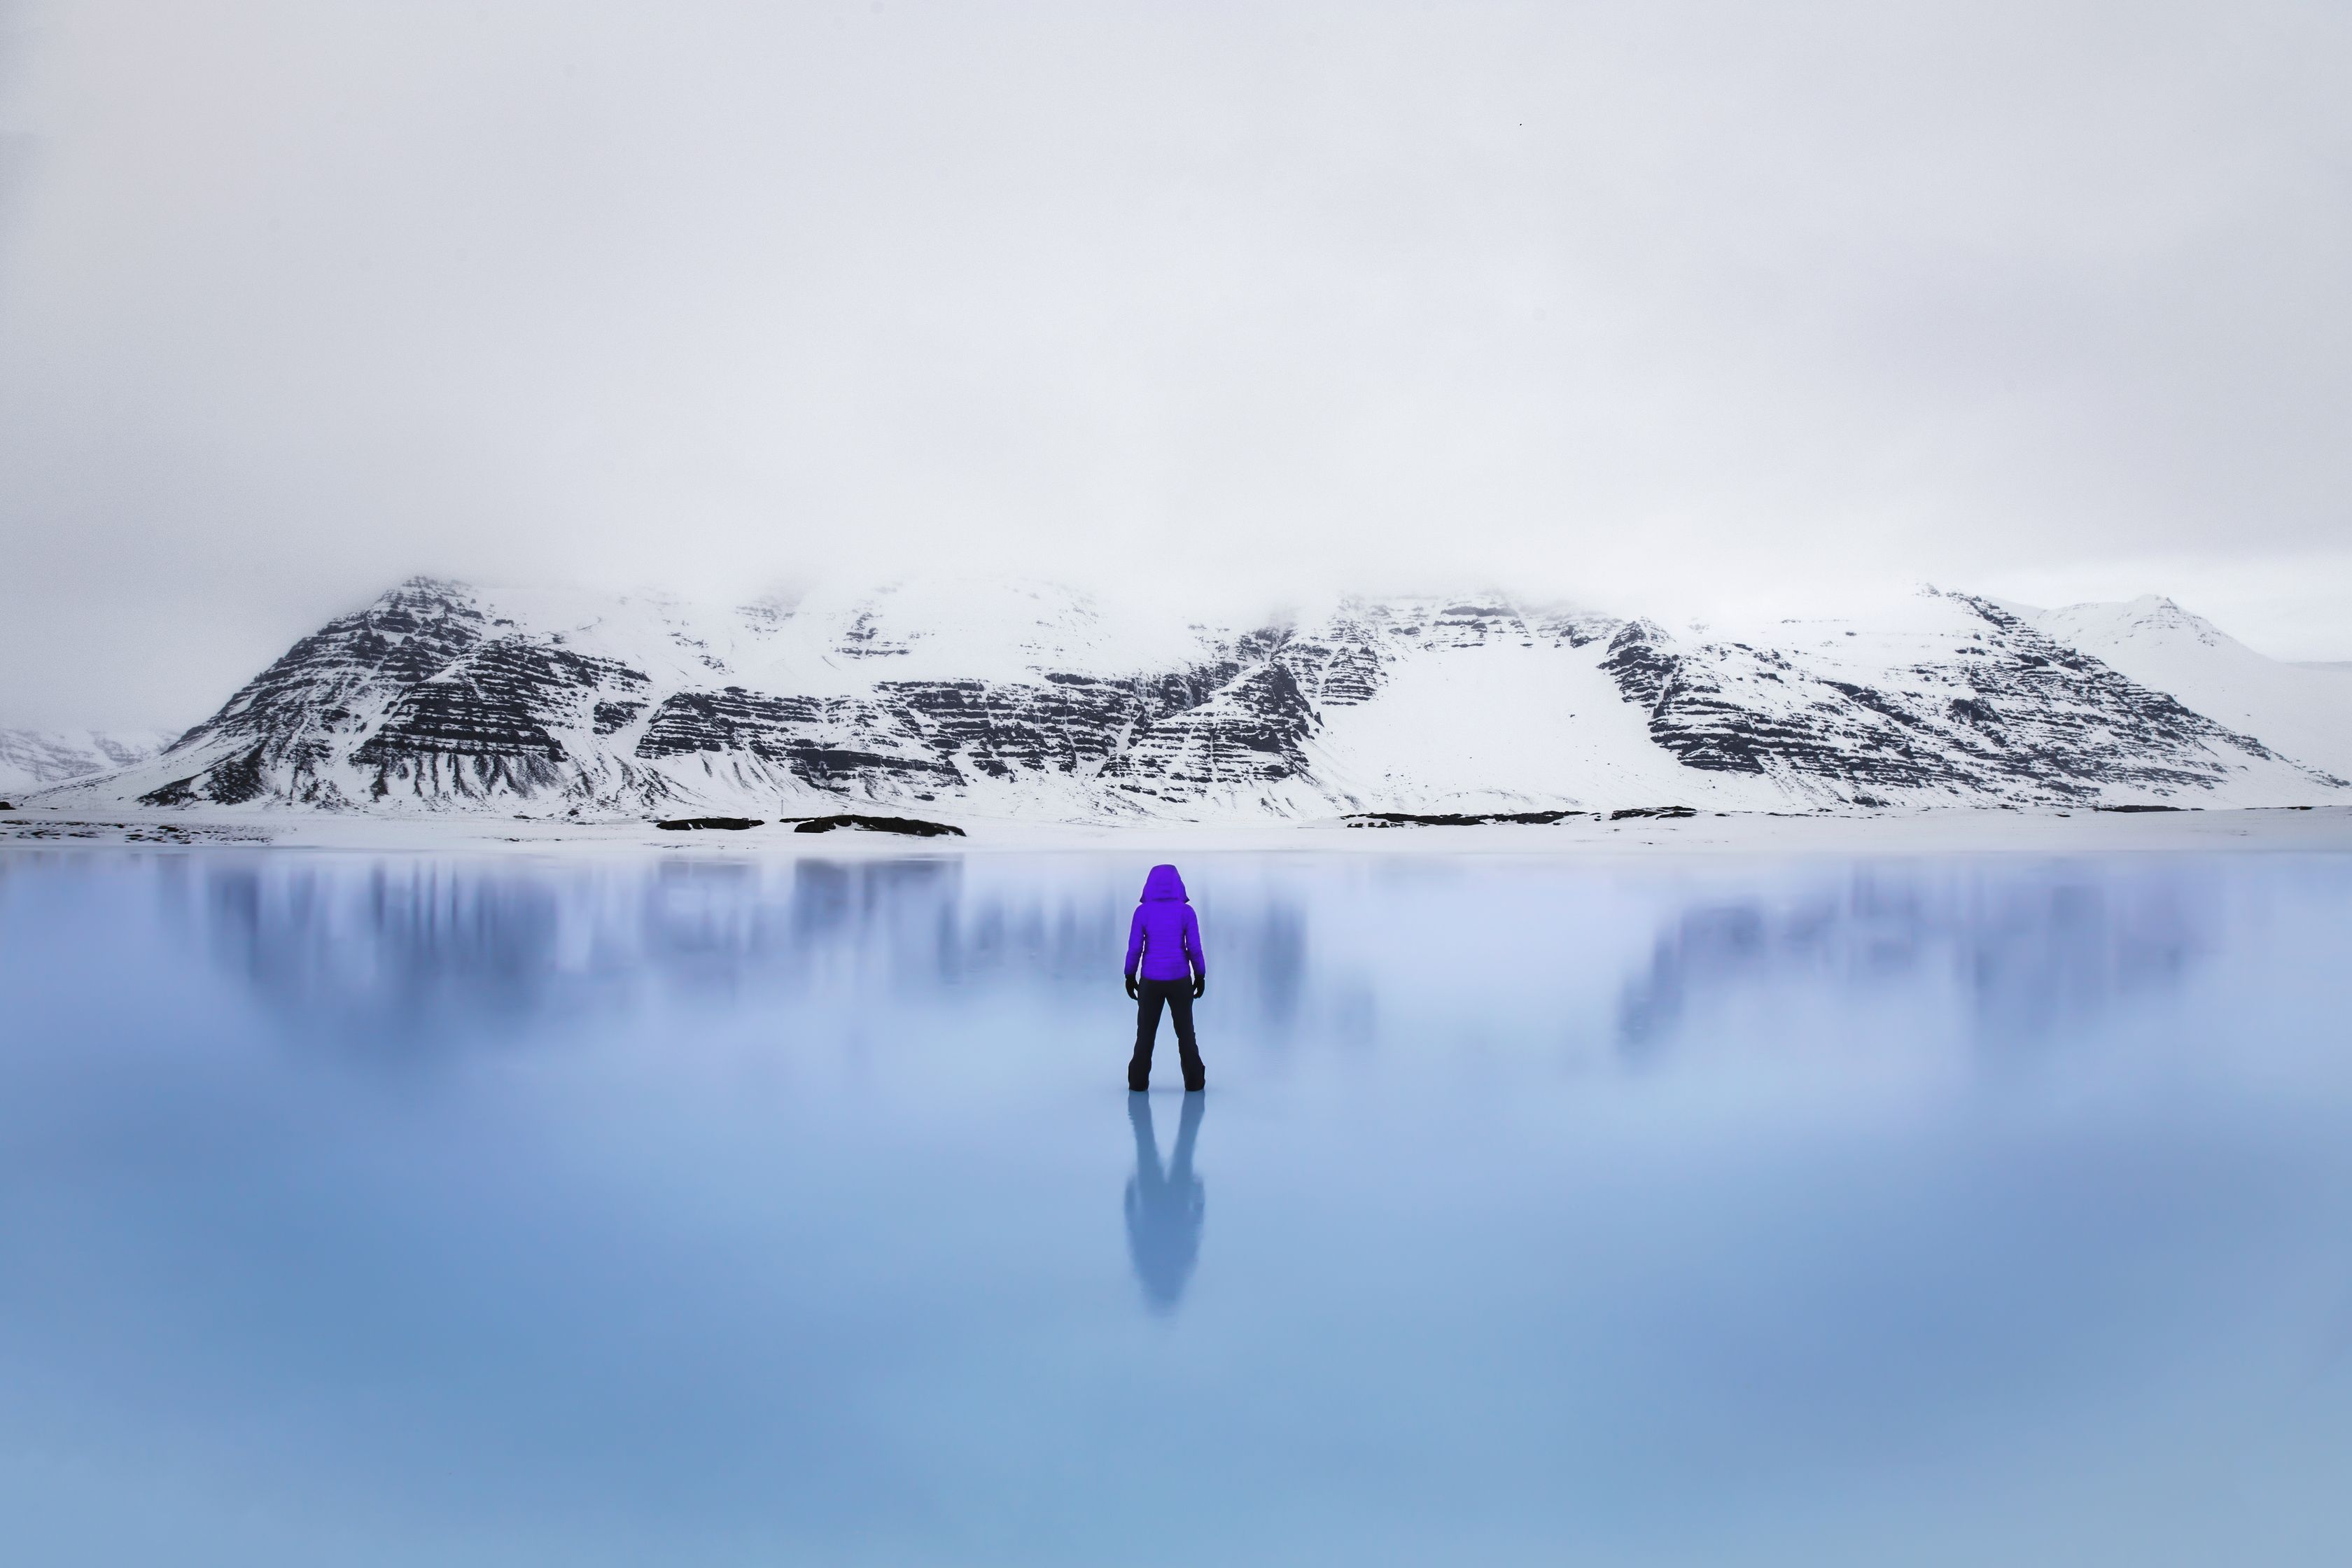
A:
(1671, 307)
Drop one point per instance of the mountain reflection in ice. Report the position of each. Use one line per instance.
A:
(439, 952)
(2025, 948)
(377, 1210)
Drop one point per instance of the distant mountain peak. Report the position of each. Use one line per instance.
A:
(36, 758)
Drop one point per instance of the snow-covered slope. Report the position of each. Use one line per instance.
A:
(1024, 700)
(35, 758)
(2302, 711)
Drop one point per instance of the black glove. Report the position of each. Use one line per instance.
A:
(1132, 995)
(1200, 986)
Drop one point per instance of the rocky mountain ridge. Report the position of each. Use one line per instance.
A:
(1029, 701)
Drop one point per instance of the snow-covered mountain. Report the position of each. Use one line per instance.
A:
(35, 758)
(2301, 710)
(1026, 699)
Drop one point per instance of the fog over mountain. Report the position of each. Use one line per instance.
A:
(1679, 310)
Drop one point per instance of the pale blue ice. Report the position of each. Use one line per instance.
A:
(395, 1211)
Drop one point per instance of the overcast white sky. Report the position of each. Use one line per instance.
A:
(1673, 307)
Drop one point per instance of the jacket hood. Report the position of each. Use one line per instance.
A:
(1164, 884)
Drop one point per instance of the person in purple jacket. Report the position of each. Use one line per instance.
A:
(1164, 938)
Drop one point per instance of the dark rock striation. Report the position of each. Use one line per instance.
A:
(2011, 713)
(835, 743)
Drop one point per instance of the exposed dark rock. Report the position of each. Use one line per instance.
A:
(1969, 710)
(179, 791)
(239, 779)
(696, 824)
(611, 716)
(39, 828)
(1453, 818)
(2137, 808)
(1652, 811)
(913, 825)
(832, 743)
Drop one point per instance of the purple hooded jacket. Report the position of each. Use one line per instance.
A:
(1165, 933)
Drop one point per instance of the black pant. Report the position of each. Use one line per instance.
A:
(1178, 996)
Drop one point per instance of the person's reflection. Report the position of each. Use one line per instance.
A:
(1163, 1208)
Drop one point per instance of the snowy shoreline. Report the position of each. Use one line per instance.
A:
(2317, 829)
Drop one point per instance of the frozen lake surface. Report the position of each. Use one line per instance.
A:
(363, 1210)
